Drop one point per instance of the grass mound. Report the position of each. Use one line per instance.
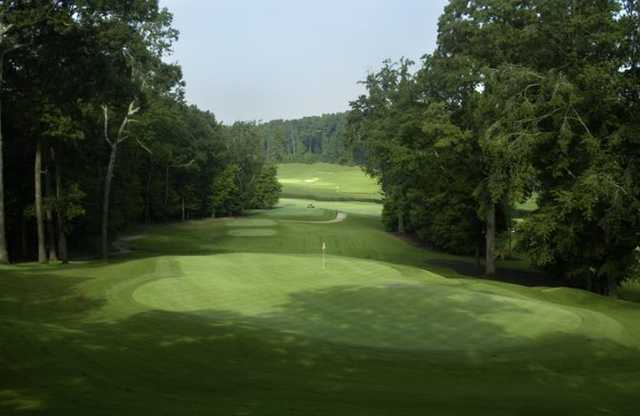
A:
(354, 302)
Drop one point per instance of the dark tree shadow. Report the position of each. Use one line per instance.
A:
(395, 350)
(530, 278)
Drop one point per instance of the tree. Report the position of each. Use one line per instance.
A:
(4, 49)
(225, 193)
(120, 137)
(267, 189)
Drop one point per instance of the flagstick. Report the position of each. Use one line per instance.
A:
(324, 260)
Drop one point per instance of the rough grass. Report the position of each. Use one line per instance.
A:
(324, 181)
(197, 321)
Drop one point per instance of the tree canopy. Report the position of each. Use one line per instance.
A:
(520, 99)
(94, 111)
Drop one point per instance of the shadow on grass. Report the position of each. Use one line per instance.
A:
(343, 350)
(469, 268)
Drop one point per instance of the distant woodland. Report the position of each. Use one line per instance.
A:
(309, 139)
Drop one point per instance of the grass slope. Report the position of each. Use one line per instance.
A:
(239, 317)
(324, 181)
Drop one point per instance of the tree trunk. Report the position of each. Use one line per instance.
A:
(183, 211)
(37, 173)
(401, 228)
(612, 287)
(24, 243)
(63, 251)
(4, 255)
(166, 189)
(51, 232)
(490, 262)
(510, 231)
(105, 202)
(147, 208)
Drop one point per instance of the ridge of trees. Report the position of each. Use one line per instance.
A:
(309, 139)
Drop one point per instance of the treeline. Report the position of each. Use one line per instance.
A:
(309, 139)
(520, 98)
(97, 135)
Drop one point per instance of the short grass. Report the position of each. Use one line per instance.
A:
(324, 181)
(244, 317)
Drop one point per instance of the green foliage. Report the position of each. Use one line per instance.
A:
(518, 99)
(78, 56)
(225, 193)
(308, 140)
(267, 189)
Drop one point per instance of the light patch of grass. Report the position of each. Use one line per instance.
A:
(252, 232)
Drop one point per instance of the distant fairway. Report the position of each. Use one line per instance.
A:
(242, 316)
(325, 181)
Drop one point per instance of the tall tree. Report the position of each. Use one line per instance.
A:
(114, 142)
(4, 29)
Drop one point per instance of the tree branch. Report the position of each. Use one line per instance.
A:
(105, 111)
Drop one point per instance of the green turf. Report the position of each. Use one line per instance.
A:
(324, 181)
(198, 320)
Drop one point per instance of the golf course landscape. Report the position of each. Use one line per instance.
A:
(246, 316)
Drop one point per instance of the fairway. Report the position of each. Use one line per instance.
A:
(324, 181)
(243, 316)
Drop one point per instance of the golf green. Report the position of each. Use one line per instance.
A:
(376, 306)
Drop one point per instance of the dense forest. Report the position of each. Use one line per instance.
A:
(519, 99)
(310, 139)
(97, 135)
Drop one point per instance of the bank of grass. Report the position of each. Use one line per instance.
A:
(243, 317)
(328, 182)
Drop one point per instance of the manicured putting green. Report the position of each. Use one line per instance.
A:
(356, 302)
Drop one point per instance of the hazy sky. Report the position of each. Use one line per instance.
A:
(267, 59)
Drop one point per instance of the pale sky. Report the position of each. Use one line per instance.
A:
(268, 59)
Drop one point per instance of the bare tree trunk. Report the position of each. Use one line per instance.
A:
(120, 137)
(490, 263)
(51, 232)
(401, 227)
(4, 255)
(166, 188)
(105, 201)
(183, 211)
(37, 173)
(63, 250)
